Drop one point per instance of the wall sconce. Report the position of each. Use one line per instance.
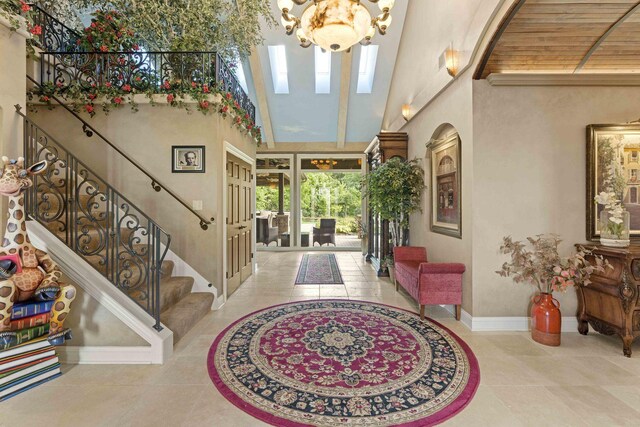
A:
(406, 112)
(451, 61)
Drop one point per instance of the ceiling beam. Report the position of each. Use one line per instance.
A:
(603, 37)
(345, 90)
(261, 97)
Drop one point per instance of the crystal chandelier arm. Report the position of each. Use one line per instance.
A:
(289, 22)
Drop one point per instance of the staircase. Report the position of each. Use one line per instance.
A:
(109, 233)
(83, 210)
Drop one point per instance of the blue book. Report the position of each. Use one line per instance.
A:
(30, 383)
(27, 309)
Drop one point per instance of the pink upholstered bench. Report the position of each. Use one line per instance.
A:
(428, 283)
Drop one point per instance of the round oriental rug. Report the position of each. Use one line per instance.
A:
(339, 362)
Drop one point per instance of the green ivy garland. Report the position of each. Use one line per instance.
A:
(206, 99)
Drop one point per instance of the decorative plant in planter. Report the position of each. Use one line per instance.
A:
(206, 99)
(542, 266)
(614, 219)
(389, 263)
(12, 10)
(394, 190)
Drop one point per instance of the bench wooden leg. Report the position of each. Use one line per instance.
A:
(396, 286)
(458, 311)
(422, 312)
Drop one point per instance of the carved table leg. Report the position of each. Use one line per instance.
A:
(583, 326)
(626, 345)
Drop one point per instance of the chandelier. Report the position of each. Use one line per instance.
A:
(323, 164)
(335, 25)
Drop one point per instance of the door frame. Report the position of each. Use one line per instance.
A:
(232, 149)
(298, 207)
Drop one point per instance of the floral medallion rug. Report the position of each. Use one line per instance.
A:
(343, 363)
(319, 269)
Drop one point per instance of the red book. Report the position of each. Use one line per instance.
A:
(30, 322)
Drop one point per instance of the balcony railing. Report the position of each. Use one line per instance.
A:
(142, 71)
(55, 36)
(66, 64)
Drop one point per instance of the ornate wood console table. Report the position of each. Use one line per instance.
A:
(610, 304)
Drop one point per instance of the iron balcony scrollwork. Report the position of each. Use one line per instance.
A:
(141, 71)
(55, 36)
(97, 222)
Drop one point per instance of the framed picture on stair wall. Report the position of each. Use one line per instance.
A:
(187, 159)
(446, 207)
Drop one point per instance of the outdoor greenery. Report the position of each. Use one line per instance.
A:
(330, 195)
(230, 27)
(394, 190)
(323, 195)
(267, 198)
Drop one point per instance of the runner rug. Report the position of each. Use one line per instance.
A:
(319, 269)
(338, 362)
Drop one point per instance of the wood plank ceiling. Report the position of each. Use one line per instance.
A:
(566, 36)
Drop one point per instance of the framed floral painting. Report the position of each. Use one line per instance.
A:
(613, 177)
(446, 186)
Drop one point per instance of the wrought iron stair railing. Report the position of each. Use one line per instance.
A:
(95, 220)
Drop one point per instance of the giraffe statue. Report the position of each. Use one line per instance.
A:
(40, 275)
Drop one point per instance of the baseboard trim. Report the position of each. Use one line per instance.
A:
(219, 302)
(509, 324)
(105, 355)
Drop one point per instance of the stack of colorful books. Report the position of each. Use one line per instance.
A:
(30, 360)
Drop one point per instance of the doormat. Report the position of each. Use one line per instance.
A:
(319, 269)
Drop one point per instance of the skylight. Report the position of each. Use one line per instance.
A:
(367, 69)
(278, 60)
(242, 78)
(323, 70)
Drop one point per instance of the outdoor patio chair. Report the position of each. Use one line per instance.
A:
(326, 233)
(264, 233)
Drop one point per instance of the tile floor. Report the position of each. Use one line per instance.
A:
(585, 382)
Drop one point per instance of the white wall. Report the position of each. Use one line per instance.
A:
(430, 27)
(529, 166)
(93, 325)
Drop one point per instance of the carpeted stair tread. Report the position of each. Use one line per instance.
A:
(186, 313)
(172, 290)
(166, 269)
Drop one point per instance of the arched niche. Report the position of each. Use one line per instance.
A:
(443, 163)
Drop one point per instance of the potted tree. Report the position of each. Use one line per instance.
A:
(394, 190)
(537, 262)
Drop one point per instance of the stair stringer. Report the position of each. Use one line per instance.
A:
(115, 301)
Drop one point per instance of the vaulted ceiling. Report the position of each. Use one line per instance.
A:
(566, 36)
(340, 116)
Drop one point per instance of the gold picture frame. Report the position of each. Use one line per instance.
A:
(445, 159)
(628, 136)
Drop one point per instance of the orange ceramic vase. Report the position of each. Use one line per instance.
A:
(546, 320)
